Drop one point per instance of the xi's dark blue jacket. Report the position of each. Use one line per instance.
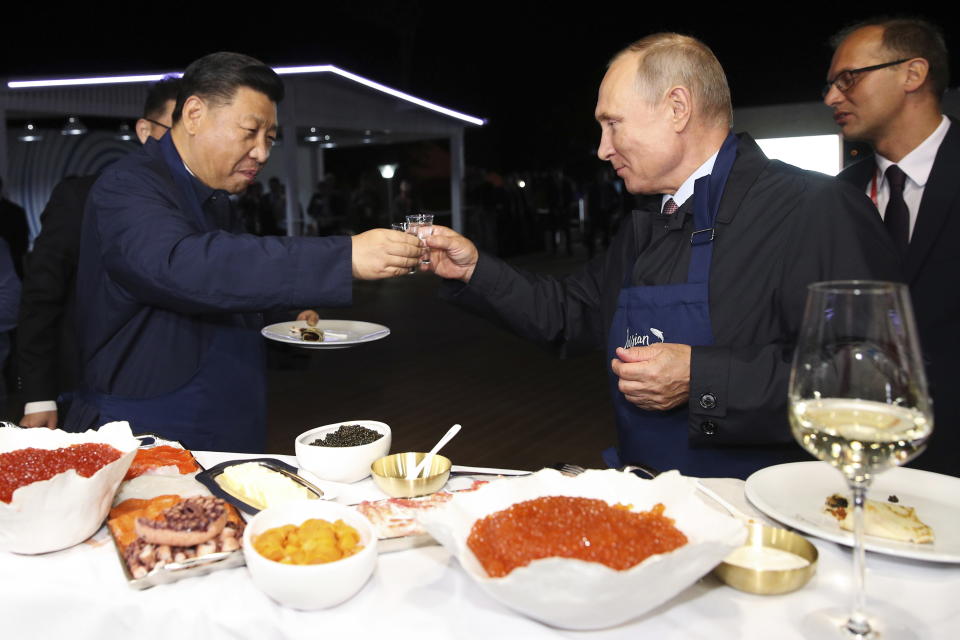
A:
(155, 278)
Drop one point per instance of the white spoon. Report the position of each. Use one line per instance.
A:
(425, 463)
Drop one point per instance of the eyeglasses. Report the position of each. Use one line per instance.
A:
(845, 80)
(159, 124)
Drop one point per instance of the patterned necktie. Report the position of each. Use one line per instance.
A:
(670, 207)
(897, 217)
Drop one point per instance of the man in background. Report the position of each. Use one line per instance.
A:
(14, 229)
(9, 301)
(46, 344)
(885, 84)
(15, 234)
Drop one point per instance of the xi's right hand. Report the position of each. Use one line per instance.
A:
(384, 253)
(46, 419)
(451, 255)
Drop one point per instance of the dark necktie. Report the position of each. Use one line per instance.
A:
(670, 207)
(897, 217)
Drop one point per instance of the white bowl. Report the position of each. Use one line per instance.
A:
(66, 509)
(314, 586)
(573, 594)
(341, 464)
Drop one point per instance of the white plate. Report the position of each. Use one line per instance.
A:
(353, 332)
(795, 494)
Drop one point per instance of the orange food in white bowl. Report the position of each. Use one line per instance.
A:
(316, 541)
(310, 586)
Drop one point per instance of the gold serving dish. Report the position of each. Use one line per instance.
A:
(390, 474)
(770, 581)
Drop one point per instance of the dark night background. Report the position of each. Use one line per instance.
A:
(531, 68)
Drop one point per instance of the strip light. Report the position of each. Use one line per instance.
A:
(76, 82)
(329, 68)
(323, 68)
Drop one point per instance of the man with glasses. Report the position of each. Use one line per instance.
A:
(46, 345)
(885, 84)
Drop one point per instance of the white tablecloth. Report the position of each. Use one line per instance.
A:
(81, 593)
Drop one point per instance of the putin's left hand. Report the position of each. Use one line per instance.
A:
(655, 378)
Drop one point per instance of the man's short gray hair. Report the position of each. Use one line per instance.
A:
(670, 59)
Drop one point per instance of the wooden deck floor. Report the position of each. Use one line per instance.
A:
(520, 406)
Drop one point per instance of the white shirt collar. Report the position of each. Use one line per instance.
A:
(918, 163)
(686, 189)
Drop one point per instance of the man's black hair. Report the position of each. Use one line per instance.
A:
(159, 94)
(217, 76)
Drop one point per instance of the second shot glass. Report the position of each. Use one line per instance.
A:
(421, 225)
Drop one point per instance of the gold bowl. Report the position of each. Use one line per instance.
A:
(771, 581)
(390, 474)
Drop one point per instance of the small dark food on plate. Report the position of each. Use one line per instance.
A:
(838, 505)
(884, 519)
(348, 435)
(311, 334)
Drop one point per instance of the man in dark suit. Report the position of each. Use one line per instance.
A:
(9, 301)
(169, 303)
(884, 85)
(15, 233)
(699, 298)
(46, 344)
(14, 229)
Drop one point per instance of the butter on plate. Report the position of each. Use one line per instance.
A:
(261, 487)
(882, 519)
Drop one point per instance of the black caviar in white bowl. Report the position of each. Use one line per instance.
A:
(344, 462)
(347, 435)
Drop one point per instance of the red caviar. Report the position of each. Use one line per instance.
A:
(26, 466)
(584, 528)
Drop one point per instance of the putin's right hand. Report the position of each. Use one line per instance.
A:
(384, 253)
(452, 255)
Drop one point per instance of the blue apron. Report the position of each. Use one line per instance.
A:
(677, 313)
(223, 407)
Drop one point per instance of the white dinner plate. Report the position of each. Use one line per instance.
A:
(339, 334)
(795, 495)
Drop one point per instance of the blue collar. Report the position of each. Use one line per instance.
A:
(179, 169)
(188, 184)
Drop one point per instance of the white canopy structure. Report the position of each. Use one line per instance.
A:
(344, 108)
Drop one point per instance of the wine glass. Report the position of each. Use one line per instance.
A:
(858, 395)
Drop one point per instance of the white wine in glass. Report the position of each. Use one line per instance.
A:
(858, 396)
